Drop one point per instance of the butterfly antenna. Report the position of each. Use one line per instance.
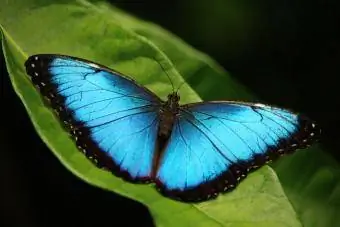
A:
(180, 86)
(172, 84)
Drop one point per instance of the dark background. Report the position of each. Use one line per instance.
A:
(286, 52)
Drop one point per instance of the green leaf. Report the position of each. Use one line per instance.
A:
(106, 35)
(311, 180)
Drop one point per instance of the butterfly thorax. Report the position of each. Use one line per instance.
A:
(167, 114)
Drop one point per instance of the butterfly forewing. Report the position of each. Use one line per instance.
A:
(113, 119)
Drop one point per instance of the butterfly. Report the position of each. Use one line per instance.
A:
(191, 152)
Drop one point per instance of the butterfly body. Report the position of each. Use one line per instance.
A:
(191, 152)
(167, 114)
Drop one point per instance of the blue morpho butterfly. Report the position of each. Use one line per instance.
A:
(191, 152)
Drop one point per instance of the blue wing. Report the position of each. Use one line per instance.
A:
(214, 145)
(113, 120)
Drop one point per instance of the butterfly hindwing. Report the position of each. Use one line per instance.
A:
(214, 145)
(113, 120)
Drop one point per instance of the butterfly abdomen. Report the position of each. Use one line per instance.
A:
(166, 123)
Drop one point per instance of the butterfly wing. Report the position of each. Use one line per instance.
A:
(214, 145)
(112, 119)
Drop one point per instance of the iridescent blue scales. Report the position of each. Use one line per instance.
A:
(191, 152)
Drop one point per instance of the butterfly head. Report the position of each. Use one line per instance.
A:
(174, 96)
(173, 102)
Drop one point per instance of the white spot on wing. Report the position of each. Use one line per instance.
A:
(260, 105)
(93, 65)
